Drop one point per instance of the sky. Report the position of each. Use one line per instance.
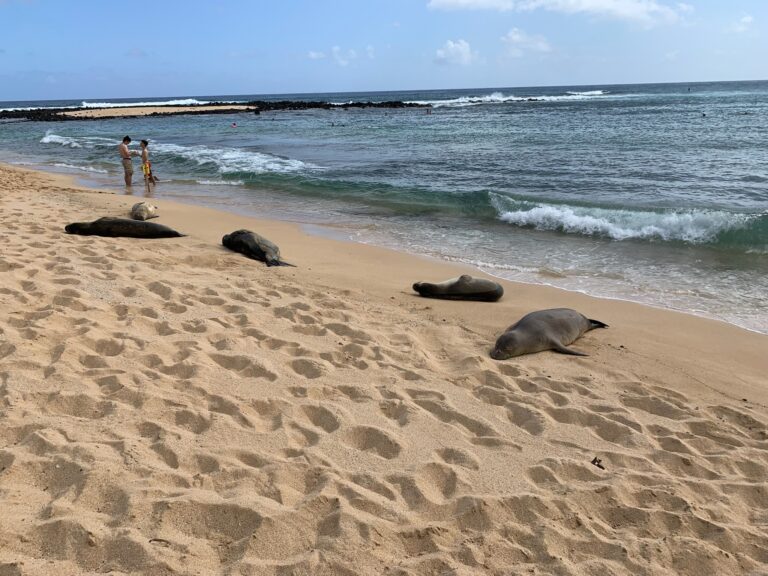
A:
(98, 49)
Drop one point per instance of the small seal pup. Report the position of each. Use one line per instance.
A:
(143, 211)
(462, 288)
(254, 246)
(544, 330)
(121, 227)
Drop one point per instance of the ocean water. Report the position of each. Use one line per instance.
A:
(651, 193)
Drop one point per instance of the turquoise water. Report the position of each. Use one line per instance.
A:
(651, 193)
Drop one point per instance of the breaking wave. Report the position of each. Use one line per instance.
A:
(501, 98)
(693, 226)
(232, 160)
(181, 102)
(82, 168)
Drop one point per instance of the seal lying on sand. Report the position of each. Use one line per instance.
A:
(254, 246)
(462, 288)
(121, 227)
(143, 211)
(544, 330)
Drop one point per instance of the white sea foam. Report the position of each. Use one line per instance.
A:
(221, 182)
(77, 141)
(693, 226)
(182, 102)
(233, 160)
(589, 93)
(51, 138)
(27, 108)
(82, 168)
(500, 98)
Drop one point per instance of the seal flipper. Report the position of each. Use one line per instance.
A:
(596, 324)
(557, 347)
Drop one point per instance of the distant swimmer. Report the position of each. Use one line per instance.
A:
(234, 124)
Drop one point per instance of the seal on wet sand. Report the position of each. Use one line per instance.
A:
(464, 287)
(544, 330)
(143, 211)
(121, 227)
(254, 246)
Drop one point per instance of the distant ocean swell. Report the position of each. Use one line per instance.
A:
(501, 98)
(108, 104)
(463, 101)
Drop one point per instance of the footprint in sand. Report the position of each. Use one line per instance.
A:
(373, 440)
(310, 369)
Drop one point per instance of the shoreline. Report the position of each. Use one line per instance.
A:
(433, 264)
(341, 231)
(340, 234)
(170, 406)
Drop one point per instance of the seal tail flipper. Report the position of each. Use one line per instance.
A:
(280, 263)
(596, 324)
(557, 347)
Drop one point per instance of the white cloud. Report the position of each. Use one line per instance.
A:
(646, 11)
(459, 52)
(316, 55)
(518, 43)
(341, 57)
(744, 24)
(370, 51)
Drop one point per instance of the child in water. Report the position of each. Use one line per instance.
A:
(146, 165)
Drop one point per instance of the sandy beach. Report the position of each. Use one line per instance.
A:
(128, 111)
(170, 407)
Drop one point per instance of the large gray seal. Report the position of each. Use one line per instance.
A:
(254, 246)
(143, 211)
(544, 330)
(121, 227)
(462, 288)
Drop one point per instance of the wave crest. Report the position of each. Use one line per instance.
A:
(696, 226)
(500, 98)
(233, 160)
(51, 138)
(181, 102)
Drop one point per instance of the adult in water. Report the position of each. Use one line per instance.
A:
(125, 158)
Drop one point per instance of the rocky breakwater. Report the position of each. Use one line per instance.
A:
(257, 106)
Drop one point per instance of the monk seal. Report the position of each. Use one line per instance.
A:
(544, 330)
(462, 288)
(143, 211)
(121, 227)
(254, 246)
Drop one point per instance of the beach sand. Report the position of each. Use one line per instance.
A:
(125, 112)
(169, 407)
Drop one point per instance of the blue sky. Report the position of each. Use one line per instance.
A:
(50, 49)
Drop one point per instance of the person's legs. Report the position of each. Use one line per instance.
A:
(128, 168)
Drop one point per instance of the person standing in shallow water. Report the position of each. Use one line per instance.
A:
(146, 165)
(125, 158)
